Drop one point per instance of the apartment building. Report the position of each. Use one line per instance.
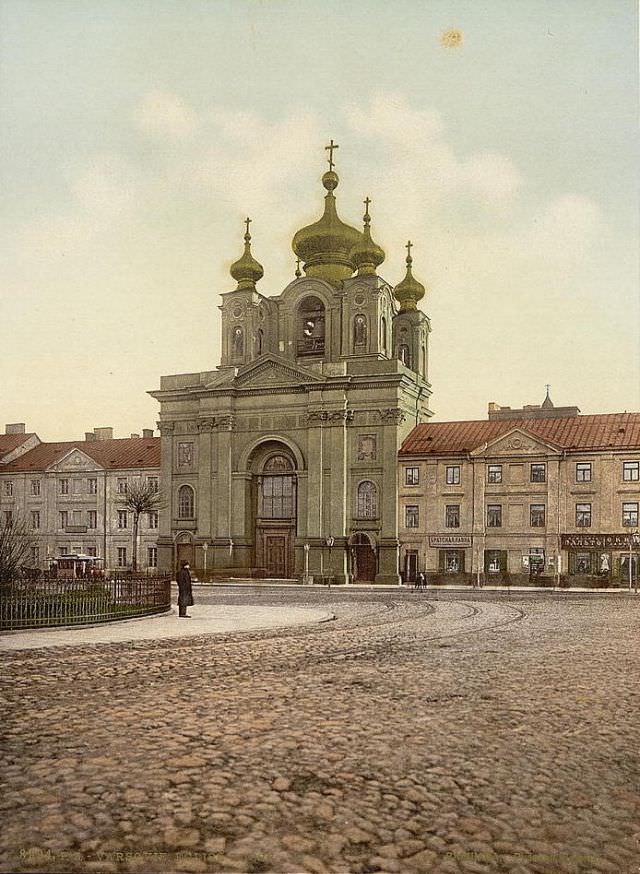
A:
(516, 497)
(70, 495)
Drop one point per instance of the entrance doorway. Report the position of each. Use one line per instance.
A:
(184, 553)
(363, 559)
(276, 551)
(411, 566)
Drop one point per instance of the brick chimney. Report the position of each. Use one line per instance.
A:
(16, 428)
(103, 433)
(147, 433)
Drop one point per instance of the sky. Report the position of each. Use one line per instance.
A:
(500, 137)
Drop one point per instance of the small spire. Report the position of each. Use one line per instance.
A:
(246, 270)
(547, 403)
(367, 255)
(409, 291)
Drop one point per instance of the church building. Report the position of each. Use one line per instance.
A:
(282, 462)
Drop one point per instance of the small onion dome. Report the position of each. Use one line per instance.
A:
(409, 291)
(367, 255)
(325, 246)
(246, 270)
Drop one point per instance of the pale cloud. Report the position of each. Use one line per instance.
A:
(105, 184)
(164, 114)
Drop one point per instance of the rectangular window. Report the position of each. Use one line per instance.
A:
(631, 471)
(76, 487)
(630, 515)
(63, 519)
(411, 476)
(8, 488)
(35, 519)
(122, 486)
(64, 486)
(495, 561)
(494, 516)
(411, 516)
(152, 556)
(35, 556)
(536, 515)
(583, 472)
(538, 473)
(8, 518)
(63, 550)
(453, 475)
(35, 487)
(153, 519)
(122, 519)
(93, 486)
(92, 519)
(91, 550)
(154, 483)
(583, 515)
(452, 516)
(122, 556)
(77, 517)
(494, 473)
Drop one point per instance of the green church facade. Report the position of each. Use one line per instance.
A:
(282, 462)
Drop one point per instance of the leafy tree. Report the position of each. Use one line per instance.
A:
(142, 497)
(15, 542)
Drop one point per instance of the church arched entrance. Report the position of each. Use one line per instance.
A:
(275, 510)
(363, 558)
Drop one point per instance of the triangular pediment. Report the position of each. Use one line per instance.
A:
(271, 371)
(75, 459)
(517, 441)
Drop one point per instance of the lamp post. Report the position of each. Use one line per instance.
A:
(205, 546)
(330, 541)
(306, 563)
(634, 540)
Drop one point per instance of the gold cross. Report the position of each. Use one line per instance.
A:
(330, 149)
(408, 247)
(247, 222)
(366, 202)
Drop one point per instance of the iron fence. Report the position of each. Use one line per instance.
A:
(50, 602)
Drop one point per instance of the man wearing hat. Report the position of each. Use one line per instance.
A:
(185, 592)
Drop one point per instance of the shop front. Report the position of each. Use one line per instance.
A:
(604, 557)
(452, 556)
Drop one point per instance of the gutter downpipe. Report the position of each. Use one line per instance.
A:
(558, 546)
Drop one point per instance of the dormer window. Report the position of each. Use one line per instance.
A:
(311, 327)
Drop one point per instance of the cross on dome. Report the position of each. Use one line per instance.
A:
(330, 149)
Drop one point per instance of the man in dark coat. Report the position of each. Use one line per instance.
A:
(185, 592)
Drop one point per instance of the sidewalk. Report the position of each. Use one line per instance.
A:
(205, 619)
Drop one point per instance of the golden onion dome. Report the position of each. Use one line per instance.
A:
(325, 246)
(367, 255)
(409, 291)
(246, 270)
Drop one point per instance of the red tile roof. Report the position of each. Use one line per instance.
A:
(129, 453)
(9, 442)
(601, 432)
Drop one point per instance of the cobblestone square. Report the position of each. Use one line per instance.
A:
(418, 732)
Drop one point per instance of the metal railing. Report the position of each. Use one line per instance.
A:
(50, 602)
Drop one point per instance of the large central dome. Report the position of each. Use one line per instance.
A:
(325, 246)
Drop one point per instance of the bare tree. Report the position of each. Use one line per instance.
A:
(15, 542)
(142, 497)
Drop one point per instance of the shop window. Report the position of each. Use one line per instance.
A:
(495, 561)
(451, 561)
(580, 563)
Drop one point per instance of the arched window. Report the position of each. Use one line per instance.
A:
(424, 362)
(404, 354)
(360, 331)
(237, 342)
(311, 327)
(383, 338)
(277, 494)
(367, 500)
(186, 502)
(260, 341)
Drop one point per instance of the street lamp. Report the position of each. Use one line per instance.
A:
(306, 562)
(330, 541)
(634, 540)
(205, 546)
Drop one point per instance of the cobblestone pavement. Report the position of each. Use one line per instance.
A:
(416, 733)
